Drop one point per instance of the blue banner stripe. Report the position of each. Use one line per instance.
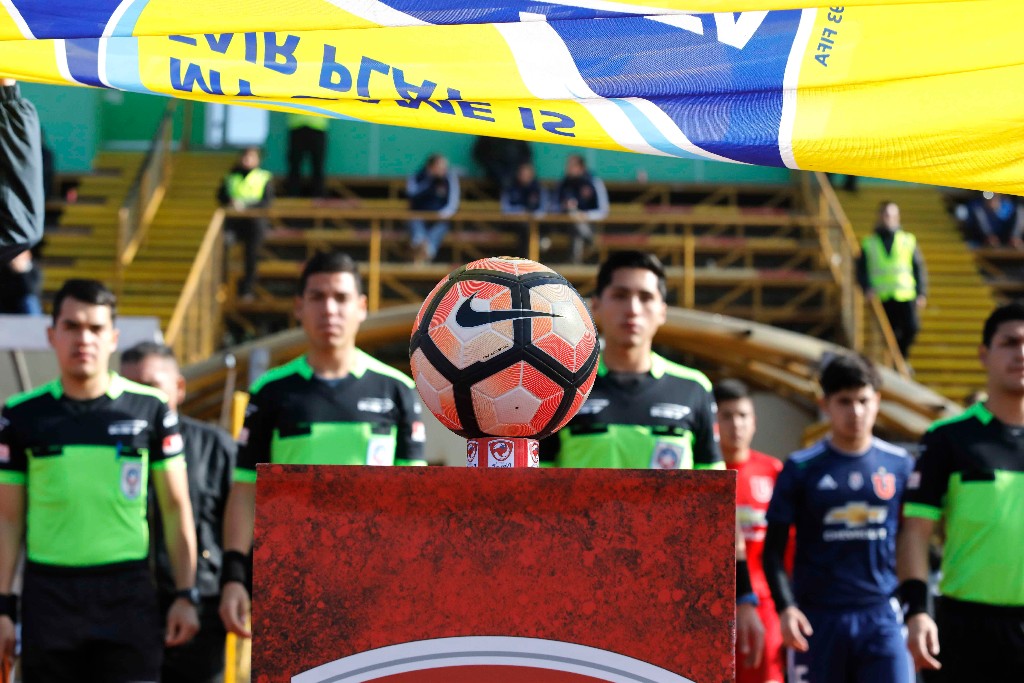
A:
(654, 137)
(722, 81)
(130, 17)
(122, 64)
(66, 18)
(485, 11)
(83, 60)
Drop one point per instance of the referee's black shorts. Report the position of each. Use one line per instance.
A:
(102, 626)
(979, 642)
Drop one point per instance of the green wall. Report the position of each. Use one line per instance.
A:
(356, 148)
(71, 121)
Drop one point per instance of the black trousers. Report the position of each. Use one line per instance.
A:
(201, 660)
(306, 142)
(102, 628)
(979, 643)
(903, 319)
(251, 232)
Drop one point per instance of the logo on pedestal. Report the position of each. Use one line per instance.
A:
(506, 658)
(472, 453)
(499, 453)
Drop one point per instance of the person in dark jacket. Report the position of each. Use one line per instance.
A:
(501, 158)
(583, 197)
(522, 195)
(21, 173)
(247, 186)
(210, 456)
(435, 187)
(20, 286)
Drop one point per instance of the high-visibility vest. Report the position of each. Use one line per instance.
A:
(249, 187)
(891, 274)
(307, 121)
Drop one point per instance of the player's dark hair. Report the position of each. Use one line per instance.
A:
(88, 292)
(1005, 313)
(630, 259)
(330, 262)
(848, 371)
(730, 390)
(884, 204)
(146, 349)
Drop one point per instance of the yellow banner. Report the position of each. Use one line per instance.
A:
(918, 91)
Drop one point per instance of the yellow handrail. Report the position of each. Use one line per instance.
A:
(838, 232)
(195, 323)
(144, 196)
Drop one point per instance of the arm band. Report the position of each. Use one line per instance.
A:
(775, 541)
(744, 590)
(914, 595)
(235, 568)
(9, 606)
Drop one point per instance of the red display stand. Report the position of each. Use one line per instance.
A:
(452, 575)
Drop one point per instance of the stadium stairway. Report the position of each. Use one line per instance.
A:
(945, 354)
(154, 280)
(85, 240)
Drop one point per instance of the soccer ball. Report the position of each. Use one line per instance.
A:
(504, 347)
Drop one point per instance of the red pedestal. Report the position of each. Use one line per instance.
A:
(503, 452)
(452, 575)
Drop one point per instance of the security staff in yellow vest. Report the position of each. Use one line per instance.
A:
(247, 186)
(891, 268)
(307, 137)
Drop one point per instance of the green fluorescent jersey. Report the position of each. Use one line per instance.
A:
(663, 419)
(85, 466)
(971, 473)
(370, 417)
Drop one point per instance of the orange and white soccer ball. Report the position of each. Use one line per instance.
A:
(504, 347)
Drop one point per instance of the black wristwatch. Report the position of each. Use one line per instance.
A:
(190, 594)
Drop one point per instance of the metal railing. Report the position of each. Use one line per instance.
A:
(144, 196)
(194, 329)
(869, 334)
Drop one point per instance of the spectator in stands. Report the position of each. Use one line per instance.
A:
(20, 286)
(434, 187)
(210, 456)
(523, 195)
(500, 158)
(247, 186)
(307, 137)
(997, 220)
(23, 206)
(583, 197)
(755, 480)
(891, 268)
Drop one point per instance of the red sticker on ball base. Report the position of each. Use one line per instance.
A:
(495, 659)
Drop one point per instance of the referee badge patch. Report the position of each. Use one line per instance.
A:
(380, 452)
(666, 456)
(131, 480)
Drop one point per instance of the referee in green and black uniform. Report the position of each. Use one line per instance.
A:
(75, 459)
(971, 476)
(335, 405)
(645, 412)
